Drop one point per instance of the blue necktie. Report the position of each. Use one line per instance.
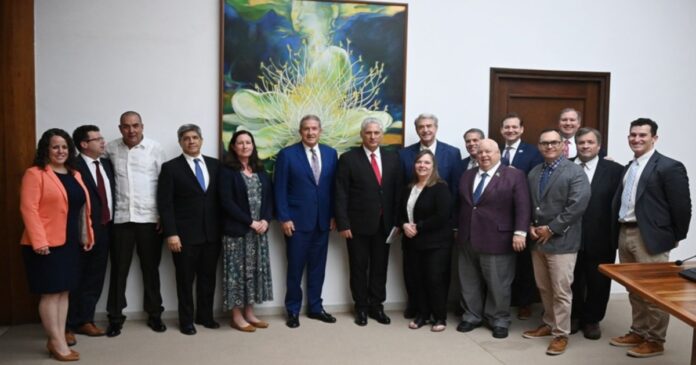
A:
(628, 189)
(544, 179)
(479, 188)
(506, 156)
(199, 173)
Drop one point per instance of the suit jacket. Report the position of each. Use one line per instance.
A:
(504, 207)
(447, 157)
(431, 214)
(236, 218)
(597, 242)
(44, 206)
(298, 198)
(92, 187)
(185, 208)
(663, 203)
(526, 157)
(360, 200)
(560, 206)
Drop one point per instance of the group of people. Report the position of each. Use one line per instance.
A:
(519, 220)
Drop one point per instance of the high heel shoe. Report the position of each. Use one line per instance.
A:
(73, 356)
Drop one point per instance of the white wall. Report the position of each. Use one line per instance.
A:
(96, 59)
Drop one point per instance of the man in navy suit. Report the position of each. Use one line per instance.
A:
(653, 208)
(524, 157)
(368, 184)
(189, 208)
(98, 176)
(304, 190)
(472, 139)
(590, 287)
(494, 217)
(448, 160)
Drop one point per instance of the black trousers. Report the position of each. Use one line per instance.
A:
(196, 263)
(144, 238)
(427, 283)
(590, 288)
(83, 300)
(368, 256)
(524, 290)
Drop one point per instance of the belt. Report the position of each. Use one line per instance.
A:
(629, 224)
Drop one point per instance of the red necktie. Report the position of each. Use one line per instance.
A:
(101, 189)
(566, 148)
(375, 168)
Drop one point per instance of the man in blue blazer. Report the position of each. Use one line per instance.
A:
(653, 208)
(524, 157)
(448, 160)
(304, 190)
(98, 175)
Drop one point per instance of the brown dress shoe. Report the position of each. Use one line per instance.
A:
(72, 356)
(628, 340)
(541, 331)
(90, 329)
(70, 338)
(524, 312)
(647, 349)
(557, 346)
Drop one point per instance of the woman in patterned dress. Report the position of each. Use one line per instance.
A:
(246, 194)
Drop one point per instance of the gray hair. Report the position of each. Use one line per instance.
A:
(586, 130)
(475, 130)
(187, 128)
(370, 120)
(425, 116)
(310, 117)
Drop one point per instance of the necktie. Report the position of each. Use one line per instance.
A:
(506, 156)
(566, 148)
(584, 166)
(199, 173)
(101, 190)
(315, 165)
(544, 179)
(627, 190)
(375, 168)
(479, 188)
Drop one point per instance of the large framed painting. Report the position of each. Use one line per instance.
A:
(343, 61)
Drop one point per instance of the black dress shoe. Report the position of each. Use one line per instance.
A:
(500, 332)
(410, 313)
(113, 330)
(379, 316)
(465, 326)
(156, 324)
(322, 316)
(209, 324)
(574, 325)
(360, 318)
(188, 329)
(293, 320)
(592, 331)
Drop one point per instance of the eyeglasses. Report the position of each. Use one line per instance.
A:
(100, 139)
(547, 144)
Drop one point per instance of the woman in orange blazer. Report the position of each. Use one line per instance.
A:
(56, 211)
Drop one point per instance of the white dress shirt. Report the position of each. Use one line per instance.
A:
(572, 147)
(308, 152)
(136, 171)
(107, 185)
(590, 167)
(378, 157)
(432, 147)
(412, 199)
(642, 161)
(490, 174)
(513, 150)
(201, 163)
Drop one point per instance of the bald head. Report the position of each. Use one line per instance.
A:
(488, 154)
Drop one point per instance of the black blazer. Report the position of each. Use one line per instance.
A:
(185, 209)
(360, 199)
(236, 213)
(92, 187)
(663, 203)
(598, 239)
(431, 213)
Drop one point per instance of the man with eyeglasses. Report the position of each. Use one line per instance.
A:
(560, 193)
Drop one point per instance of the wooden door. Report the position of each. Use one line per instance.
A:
(539, 96)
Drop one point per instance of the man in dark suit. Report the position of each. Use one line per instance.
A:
(368, 184)
(304, 190)
(590, 287)
(560, 193)
(653, 208)
(569, 121)
(472, 139)
(189, 207)
(98, 176)
(524, 157)
(448, 160)
(494, 217)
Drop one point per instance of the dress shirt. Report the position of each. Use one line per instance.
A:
(590, 166)
(572, 147)
(412, 199)
(201, 163)
(473, 163)
(93, 170)
(513, 150)
(642, 161)
(432, 147)
(136, 171)
(378, 157)
(490, 174)
(308, 152)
